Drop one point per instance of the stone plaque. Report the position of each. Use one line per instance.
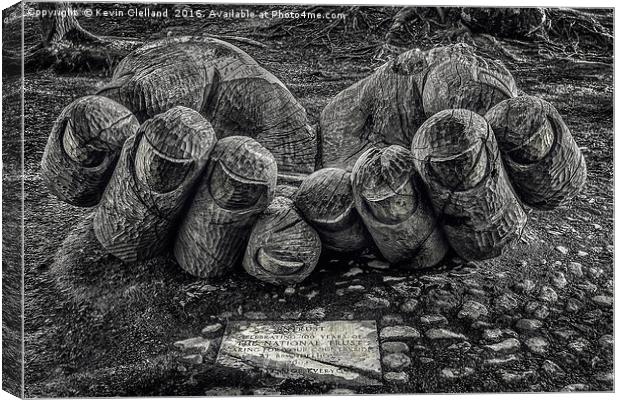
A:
(344, 352)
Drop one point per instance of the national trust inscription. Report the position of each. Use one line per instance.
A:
(334, 351)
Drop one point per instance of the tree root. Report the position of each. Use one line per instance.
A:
(67, 46)
(563, 33)
(37, 56)
(104, 56)
(316, 31)
(101, 54)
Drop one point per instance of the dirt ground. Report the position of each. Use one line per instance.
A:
(109, 329)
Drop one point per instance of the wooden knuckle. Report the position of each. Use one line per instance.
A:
(466, 81)
(390, 105)
(224, 84)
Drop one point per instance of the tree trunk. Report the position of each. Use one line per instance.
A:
(67, 46)
(62, 25)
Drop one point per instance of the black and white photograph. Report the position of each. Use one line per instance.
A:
(212, 199)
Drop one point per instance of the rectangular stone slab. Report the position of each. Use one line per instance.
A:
(343, 352)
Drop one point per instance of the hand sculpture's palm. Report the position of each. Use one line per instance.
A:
(428, 171)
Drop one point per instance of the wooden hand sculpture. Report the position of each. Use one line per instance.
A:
(183, 149)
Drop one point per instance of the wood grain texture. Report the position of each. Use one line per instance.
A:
(382, 109)
(542, 159)
(227, 86)
(480, 213)
(389, 106)
(325, 200)
(238, 184)
(83, 148)
(286, 190)
(396, 212)
(283, 249)
(461, 79)
(155, 176)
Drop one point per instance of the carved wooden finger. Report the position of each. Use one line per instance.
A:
(394, 209)
(542, 159)
(226, 85)
(237, 186)
(457, 157)
(83, 148)
(156, 173)
(325, 200)
(464, 80)
(283, 249)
